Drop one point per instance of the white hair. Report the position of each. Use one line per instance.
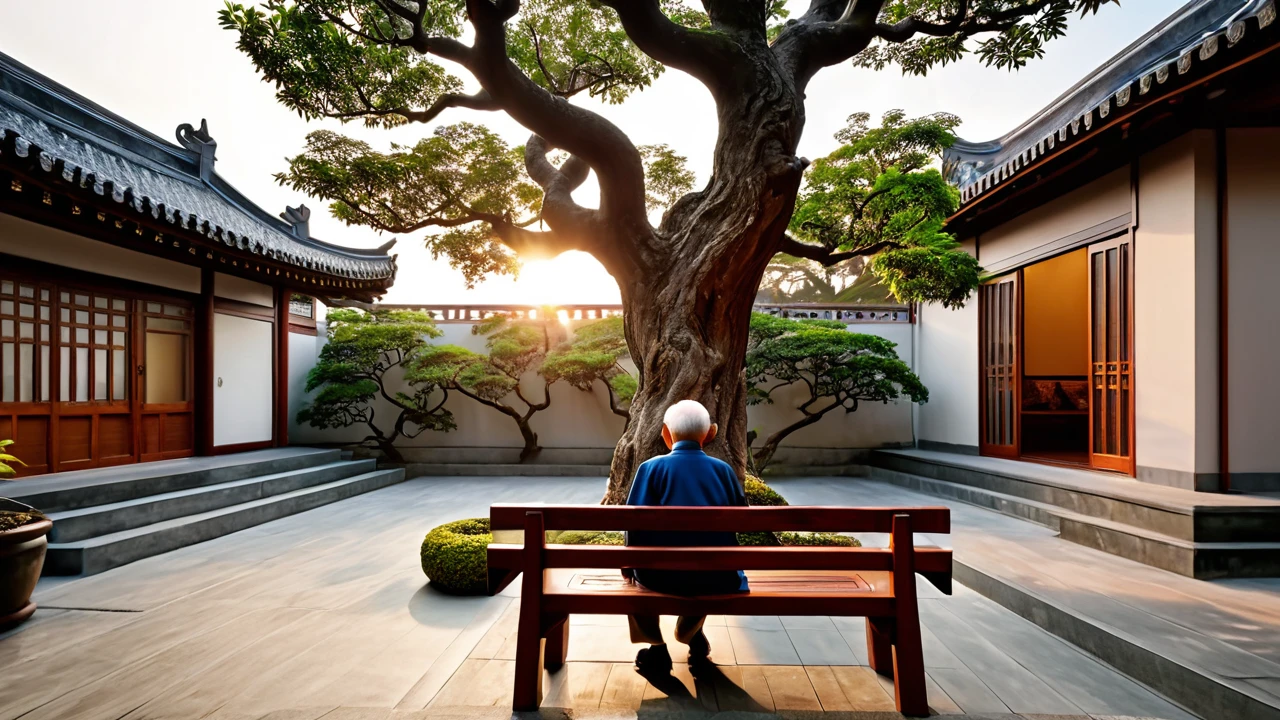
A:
(687, 420)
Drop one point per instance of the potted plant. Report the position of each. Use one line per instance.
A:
(22, 548)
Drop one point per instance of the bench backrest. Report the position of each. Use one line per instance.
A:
(506, 560)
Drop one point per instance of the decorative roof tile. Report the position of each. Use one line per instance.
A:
(97, 150)
(1191, 35)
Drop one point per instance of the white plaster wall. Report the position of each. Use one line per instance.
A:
(583, 420)
(242, 361)
(1253, 220)
(1101, 200)
(1175, 323)
(947, 363)
(235, 288)
(37, 242)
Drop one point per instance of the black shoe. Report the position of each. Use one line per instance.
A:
(699, 647)
(654, 660)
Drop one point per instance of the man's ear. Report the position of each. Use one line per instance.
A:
(666, 437)
(711, 435)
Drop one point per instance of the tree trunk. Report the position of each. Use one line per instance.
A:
(764, 455)
(687, 312)
(531, 448)
(390, 451)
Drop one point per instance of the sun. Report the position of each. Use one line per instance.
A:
(574, 278)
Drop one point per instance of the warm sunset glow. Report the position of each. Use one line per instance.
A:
(573, 277)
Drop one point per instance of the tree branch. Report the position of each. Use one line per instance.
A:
(699, 54)
(824, 255)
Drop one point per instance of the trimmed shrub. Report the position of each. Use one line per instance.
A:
(817, 539)
(588, 537)
(455, 556)
(759, 493)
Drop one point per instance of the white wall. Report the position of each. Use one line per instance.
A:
(235, 288)
(583, 420)
(1087, 206)
(1175, 313)
(947, 352)
(242, 389)
(1253, 220)
(37, 242)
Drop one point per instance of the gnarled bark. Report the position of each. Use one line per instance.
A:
(687, 314)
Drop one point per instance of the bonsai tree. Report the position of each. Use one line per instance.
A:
(355, 370)
(687, 283)
(515, 347)
(835, 367)
(591, 357)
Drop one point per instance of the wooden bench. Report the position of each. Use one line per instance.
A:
(875, 583)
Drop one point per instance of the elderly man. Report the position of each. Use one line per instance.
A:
(684, 477)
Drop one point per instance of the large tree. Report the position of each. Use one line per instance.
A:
(687, 285)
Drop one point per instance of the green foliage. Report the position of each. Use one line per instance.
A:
(455, 556)
(7, 461)
(1019, 30)
(838, 368)
(666, 176)
(877, 195)
(592, 355)
(338, 58)
(759, 493)
(351, 373)
(816, 539)
(589, 537)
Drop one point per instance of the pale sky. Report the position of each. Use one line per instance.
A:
(161, 63)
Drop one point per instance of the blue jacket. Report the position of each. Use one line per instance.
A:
(687, 477)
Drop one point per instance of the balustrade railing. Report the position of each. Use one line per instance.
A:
(850, 313)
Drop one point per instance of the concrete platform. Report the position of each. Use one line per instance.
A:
(1201, 535)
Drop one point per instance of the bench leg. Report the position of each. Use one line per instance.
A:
(908, 668)
(880, 646)
(557, 648)
(528, 681)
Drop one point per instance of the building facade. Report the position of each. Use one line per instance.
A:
(1129, 320)
(146, 306)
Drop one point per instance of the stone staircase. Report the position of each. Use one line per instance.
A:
(1198, 535)
(108, 517)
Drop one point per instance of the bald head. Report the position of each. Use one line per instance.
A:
(687, 420)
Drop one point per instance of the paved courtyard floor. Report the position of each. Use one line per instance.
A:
(326, 615)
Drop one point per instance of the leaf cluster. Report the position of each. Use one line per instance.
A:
(340, 58)
(514, 347)
(878, 194)
(1014, 32)
(592, 355)
(835, 365)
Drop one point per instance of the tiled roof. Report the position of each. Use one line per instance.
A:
(1156, 62)
(95, 149)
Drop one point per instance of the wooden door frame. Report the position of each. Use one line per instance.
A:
(984, 448)
(1099, 461)
(279, 354)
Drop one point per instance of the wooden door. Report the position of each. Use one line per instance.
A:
(1111, 430)
(27, 363)
(165, 394)
(95, 419)
(999, 333)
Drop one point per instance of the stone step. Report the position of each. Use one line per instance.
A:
(1182, 514)
(1202, 560)
(788, 470)
(80, 524)
(102, 486)
(98, 554)
(504, 469)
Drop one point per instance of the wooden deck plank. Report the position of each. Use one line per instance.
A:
(582, 686)
(677, 692)
(434, 677)
(828, 689)
(939, 700)
(493, 641)
(741, 688)
(477, 682)
(752, 646)
(624, 688)
(969, 693)
(862, 690)
(790, 688)
(821, 647)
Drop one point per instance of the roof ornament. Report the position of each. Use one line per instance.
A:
(299, 219)
(202, 142)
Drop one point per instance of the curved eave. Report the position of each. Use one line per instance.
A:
(1244, 38)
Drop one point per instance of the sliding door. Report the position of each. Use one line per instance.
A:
(999, 311)
(1111, 355)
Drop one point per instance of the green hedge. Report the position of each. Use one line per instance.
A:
(455, 556)
(587, 537)
(760, 494)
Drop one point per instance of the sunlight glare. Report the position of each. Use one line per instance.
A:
(572, 278)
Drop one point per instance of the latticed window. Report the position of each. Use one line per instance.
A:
(25, 316)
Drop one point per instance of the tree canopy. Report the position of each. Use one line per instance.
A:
(836, 369)
(351, 374)
(687, 283)
(593, 355)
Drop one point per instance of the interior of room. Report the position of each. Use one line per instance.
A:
(1055, 360)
